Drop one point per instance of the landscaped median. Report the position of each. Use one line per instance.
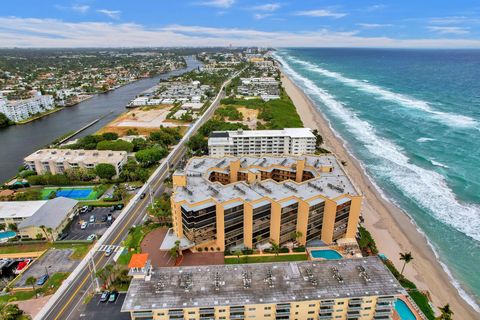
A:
(267, 257)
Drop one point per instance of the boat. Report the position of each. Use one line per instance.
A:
(21, 265)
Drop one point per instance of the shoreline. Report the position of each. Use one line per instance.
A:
(392, 228)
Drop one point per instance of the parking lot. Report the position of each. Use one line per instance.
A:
(98, 227)
(105, 310)
(55, 260)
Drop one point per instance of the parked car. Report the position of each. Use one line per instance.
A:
(62, 236)
(103, 218)
(92, 237)
(119, 206)
(41, 281)
(92, 219)
(83, 209)
(113, 296)
(143, 195)
(90, 208)
(109, 217)
(112, 208)
(83, 225)
(105, 295)
(108, 252)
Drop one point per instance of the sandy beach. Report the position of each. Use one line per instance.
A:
(391, 228)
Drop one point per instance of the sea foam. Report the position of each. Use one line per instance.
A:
(447, 118)
(426, 187)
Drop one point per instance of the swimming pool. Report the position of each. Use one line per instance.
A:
(403, 310)
(5, 235)
(325, 254)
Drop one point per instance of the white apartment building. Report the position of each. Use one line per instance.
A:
(56, 161)
(294, 141)
(23, 109)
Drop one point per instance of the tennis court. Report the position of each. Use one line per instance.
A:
(72, 193)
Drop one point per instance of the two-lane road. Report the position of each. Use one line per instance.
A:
(63, 304)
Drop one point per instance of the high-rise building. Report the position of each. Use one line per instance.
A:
(230, 202)
(262, 142)
(361, 289)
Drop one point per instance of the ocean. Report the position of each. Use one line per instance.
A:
(412, 118)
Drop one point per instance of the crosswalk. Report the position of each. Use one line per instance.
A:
(105, 247)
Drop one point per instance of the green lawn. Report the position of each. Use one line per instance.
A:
(133, 241)
(422, 302)
(259, 259)
(49, 287)
(79, 249)
(26, 247)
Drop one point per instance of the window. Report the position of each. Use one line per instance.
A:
(251, 309)
(311, 305)
(268, 308)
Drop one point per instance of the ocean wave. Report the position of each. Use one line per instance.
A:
(447, 118)
(424, 139)
(427, 187)
(438, 164)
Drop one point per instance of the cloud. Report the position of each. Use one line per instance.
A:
(374, 25)
(267, 7)
(217, 3)
(114, 14)
(375, 7)
(52, 33)
(454, 20)
(260, 16)
(448, 30)
(321, 13)
(80, 8)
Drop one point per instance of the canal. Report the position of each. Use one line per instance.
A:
(18, 141)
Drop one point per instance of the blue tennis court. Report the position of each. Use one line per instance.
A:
(72, 193)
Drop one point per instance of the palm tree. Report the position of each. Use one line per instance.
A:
(10, 311)
(44, 230)
(31, 281)
(447, 313)
(238, 253)
(175, 250)
(407, 258)
(275, 247)
(296, 234)
(50, 232)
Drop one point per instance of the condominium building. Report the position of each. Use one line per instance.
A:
(259, 142)
(227, 203)
(361, 289)
(23, 109)
(56, 161)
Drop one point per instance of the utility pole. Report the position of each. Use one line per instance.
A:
(151, 195)
(93, 270)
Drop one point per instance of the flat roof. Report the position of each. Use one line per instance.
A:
(267, 283)
(19, 209)
(289, 132)
(199, 188)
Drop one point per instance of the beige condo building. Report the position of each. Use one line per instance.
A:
(349, 289)
(225, 203)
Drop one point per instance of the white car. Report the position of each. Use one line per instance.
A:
(84, 225)
(92, 237)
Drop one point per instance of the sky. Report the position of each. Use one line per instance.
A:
(283, 23)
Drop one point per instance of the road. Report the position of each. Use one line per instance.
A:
(63, 305)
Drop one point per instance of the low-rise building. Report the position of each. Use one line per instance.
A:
(56, 161)
(194, 106)
(247, 202)
(14, 212)
(362, 289)
(23, 109)
(259, 142)
(53, 216)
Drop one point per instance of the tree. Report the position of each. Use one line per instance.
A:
(12, 227)
(238, 253)
(447, 313)
(4, 121)
(175, 250)
(117, 145)
(44, 230)
(296, 234)
(105, 171)
(407, 258)
(275, 247)
(10, 311)
(31, 281)
(150, 156)
(139, 144)
(110, 136)
(198, 144)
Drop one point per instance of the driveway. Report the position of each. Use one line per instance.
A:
(55, 260)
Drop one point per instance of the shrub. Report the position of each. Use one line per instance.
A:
(150, 156)
(284, 250)
(117, 145)
(247, 251)
(110, 136)
(105, 171)
(299, 249)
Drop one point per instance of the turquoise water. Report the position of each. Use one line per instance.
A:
(7, 234)
(412, 118)
(326, 254)
(404, 311)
